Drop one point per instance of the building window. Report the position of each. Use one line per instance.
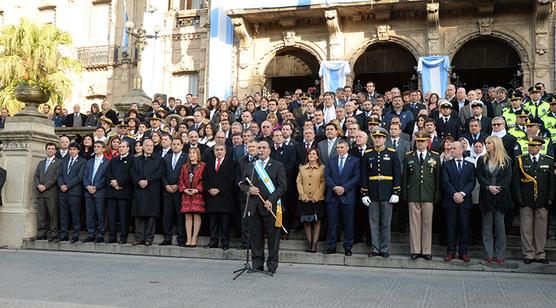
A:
(47, 15)
(181, 5)
(99, 24)
(183, 83)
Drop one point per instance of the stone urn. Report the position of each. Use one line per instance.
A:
(32, 97)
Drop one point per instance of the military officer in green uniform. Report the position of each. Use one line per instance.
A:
(533, 181)
(549, 120)
(510, 112)
(519, 130)
(534, 130)
(536, 107)
(421, 188)
(380, 189)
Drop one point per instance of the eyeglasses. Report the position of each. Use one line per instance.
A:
(497, 124)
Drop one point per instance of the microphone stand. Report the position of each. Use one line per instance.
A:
(246, 214)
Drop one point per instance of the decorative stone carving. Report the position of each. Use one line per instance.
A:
(186, 64)
(188, 21)
(332, 22)
(542, 12)
(485, 26)
(240, 29)
(335, 35)
(383, 32)
(289, 38)
(433, 30)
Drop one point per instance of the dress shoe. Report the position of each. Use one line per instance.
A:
(242, 247)
(212, 245)
(449, 257)
(427, 257)
(414, 256)
(284, 237)
(271, 271)
(465, 257)
(121, 242)
(225, 247)
(347, 252)
(181, 244)
(489, 260)
(111, 242)
(385, 255)
(165, 243)
(500, 261)
(74, 240)
(148, 243)
(329, 251)
(543, 261)
(50, 239)
(99, 240)
(40, 238)
(527, 261)
(88, 240)
(137, 242)
(64, 239)
(373, 254)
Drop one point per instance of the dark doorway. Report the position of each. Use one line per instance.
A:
(387, 65)
(486, 62)
(290, 69)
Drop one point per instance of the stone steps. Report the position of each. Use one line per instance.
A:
(292, 251)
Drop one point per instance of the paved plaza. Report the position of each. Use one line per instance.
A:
(58, 279)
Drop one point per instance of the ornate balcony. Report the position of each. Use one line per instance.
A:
(98, 56)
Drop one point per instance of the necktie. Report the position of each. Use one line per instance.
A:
(174, 161)
(341, 164)
(362, 152)
(534, 162)
(394, 143)
(95, 169)
(459, 165)
(72, 160)
(474, 137)
(46, 165)
(445, 120)
(421, 158)
(430, 144)
(218, 165)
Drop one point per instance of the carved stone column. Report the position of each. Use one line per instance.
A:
(242, 31)
(433, 28)
(543, 10)
(335, 35)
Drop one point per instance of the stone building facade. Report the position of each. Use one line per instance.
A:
(504, 42)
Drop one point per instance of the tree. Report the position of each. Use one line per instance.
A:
(30, 54)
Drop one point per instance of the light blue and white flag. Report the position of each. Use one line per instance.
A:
(220, 50)
(434, 74)
(125, 38)
(333, 74)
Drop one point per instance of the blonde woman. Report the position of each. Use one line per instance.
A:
(494, 174)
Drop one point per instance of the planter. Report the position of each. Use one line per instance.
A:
(32, 97)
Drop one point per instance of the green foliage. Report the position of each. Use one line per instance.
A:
(30, 54)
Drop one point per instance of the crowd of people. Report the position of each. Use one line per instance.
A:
(462, 163)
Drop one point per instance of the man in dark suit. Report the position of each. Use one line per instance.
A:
(434, 143)
(261, 222)
(320, 126)
(63, 144)
(46, 176)
(242, 164)
(94, 181)
(302, 148)
(119, 192)
(458, 182)
(286, 155)
(342, 178)
(414, 104)
(474, 132)
(76, 119)
(70, 183)
(219, 180)
(446, 124)
(241, 150)
(477, 109)
(194, 142)
(146, 175)
(171, 196)
(327, 147)
(361, 225)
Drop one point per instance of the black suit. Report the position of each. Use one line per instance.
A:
(70, 201)
(221, 206)
(118, 200)
(301, 151)
(471, 138)
(68, 121)
(112, 115)
(320, 133)
(260, 220)
(172, 201)
(486, 126)
(451, 128)
(511, 146)
(202, 148)
(241, 166)
(361, 226)
(47, 203)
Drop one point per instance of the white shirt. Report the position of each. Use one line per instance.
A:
(342, 161)
(216, 162)
(331, 144)
(535, 156)
(63, 152)
(424, 154)
(264, 162)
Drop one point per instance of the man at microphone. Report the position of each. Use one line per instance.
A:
(269, 182)
(242, 164)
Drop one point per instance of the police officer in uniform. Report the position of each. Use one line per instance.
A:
(421, 188)
(122, 130)
(549, 119)
(534, 191)
(518, 130)
(533, 130)
(380, 189)
(536, 106)
(510, 112)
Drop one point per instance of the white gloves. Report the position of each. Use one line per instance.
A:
(366, 201)
(394, 199)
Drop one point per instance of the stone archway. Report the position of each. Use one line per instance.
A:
(487, 61)
(388, 64)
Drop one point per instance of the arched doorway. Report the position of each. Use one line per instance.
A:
(290, 69)
(387, 65)
(486, 62)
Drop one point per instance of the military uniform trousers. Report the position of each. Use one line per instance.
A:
(170, 213)
(94, 215)
(420, 227)
(533, 224)
(380, 219)
(118, 208)
(47, 217)
(70, 211)
(259, 227)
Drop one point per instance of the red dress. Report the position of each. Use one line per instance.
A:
(196, 202)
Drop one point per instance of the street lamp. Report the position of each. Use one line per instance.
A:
(141, 37)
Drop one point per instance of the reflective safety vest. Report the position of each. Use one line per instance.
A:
(550, 124)
(542, 109)
(524, 142)
(516, 132)
(509, 116)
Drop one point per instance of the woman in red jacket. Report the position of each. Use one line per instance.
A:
(112, 147)
(193, 201)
